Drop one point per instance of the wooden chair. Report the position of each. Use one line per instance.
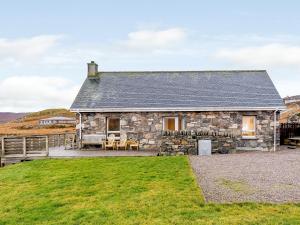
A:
(133, 145)
(110, 143)
(122, 144)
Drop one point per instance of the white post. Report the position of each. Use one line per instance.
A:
(80, 131)
(80, 126)
(275, 130)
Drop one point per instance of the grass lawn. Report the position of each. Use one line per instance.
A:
(127, 190)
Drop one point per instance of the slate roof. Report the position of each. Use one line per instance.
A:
(177, 90)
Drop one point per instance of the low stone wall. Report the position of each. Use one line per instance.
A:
(186, 142)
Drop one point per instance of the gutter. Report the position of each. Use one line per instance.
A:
(178, 109)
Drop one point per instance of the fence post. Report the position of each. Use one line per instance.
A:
(2, 147)
(47, 146)
(65, 141)
(24, 146)
(1, 153)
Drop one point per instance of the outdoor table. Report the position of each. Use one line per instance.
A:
(294, 141)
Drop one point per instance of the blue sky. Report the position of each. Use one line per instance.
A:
(45, 45)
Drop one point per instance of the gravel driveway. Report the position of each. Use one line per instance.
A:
(253, 176)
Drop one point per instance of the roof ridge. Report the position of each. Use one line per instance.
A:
(177, 71)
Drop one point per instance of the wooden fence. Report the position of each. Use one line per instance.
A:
(288, 130)
(67, 140)
(34, 146)
(24, 146)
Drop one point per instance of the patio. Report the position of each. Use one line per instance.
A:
(62, 153)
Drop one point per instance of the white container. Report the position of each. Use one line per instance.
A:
(204, 147)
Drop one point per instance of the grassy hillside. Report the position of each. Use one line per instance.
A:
(48, 113)
(121, 190)
(29, 124)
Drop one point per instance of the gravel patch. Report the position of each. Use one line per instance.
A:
(249, 177)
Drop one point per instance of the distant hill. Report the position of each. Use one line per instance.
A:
(291, 114)
(48, 113)
(9, 116)
(28, 124)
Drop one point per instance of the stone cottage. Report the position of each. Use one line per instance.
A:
(237, 108)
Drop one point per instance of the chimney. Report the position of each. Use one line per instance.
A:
(92, 69)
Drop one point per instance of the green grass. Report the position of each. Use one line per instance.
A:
(128, 190)
(236, 185)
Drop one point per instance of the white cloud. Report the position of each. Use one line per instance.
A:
(51, 49)
(266, 55)
(24, 49)
(288, 85)
(143, 49)
(155, 39)
(31, 93)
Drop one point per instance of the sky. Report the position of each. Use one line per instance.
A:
(45, 45)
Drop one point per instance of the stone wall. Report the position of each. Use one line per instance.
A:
(186, 142)
(146, 127)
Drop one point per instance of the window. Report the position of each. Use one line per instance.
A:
(173, 123)
(181, 123)
(113, 126)
(248, 126)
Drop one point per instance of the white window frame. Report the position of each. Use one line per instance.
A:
(108, 132)
(254, 130)
(183, 123)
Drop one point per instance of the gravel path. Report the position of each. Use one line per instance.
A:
(254, 176)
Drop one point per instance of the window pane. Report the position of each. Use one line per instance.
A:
(113, 124)
(248, 126)
(169, 123)
(248, 123)
(174, 123)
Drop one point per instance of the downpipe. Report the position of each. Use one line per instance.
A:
(275, 129)
(80, 128)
